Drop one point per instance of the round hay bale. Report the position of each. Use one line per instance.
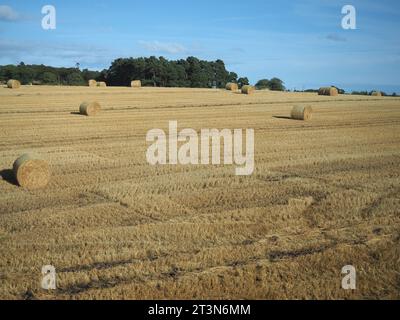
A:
(376, 94)
(92, 83)
(248, 89)
(89, 108)
(301, 113)
(328, 91)
(231, 86)
(101, 84)
(136, 84)
(31, 172)
(13, 84)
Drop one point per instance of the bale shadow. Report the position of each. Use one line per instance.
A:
(282, 117)
(8, 175)
(76, 113)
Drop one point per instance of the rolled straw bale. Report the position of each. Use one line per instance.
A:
(376, 94)
(248, 89)
(92, 83)
(328, 91)
(31, 172)
(232, 86)
(136, 84)
(13, 84)
(101, 84)
(300, 202)
(301, 113)
(89, 108)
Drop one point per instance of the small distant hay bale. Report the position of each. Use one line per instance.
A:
(136, 84)
(89, 108)
(231, 86)
(13, 84)
(31, 172)
(328, 91)
(301, 113)
(301, 202)
(92, 83)
(376, 94)
(101, 84)
(248, 89)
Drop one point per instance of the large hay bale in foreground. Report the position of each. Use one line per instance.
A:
(92, 83)
(328, 91)
(232, 86)
(89, 108)
(301, 113)
(136, 84)
(248, 89)
(31, 172)
(101, 84)
(13, 84)
(376, 94)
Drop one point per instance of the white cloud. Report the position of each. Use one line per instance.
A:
(8, 14)
(163, 47)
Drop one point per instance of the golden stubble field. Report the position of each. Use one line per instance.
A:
(116, 227)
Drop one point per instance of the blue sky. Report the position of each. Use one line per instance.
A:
(301, 42)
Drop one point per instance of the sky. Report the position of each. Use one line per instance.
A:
(301, 42)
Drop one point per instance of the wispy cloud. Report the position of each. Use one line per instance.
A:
(65, 54)
(163, 47)
(336, 37)
(238, 49)
(233, 19)
(8, 14)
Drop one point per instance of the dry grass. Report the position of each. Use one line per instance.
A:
(324, 194)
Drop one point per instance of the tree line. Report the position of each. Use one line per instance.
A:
(368, 93)
(152, 71)
(41, 74)
(160, 72)
(356, 93)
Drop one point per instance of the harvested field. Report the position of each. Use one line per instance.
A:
(325, 193)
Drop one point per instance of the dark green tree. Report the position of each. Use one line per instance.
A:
(276, 84)
(88, 75)
(49, 78)
(75, 79)
(263, 84)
